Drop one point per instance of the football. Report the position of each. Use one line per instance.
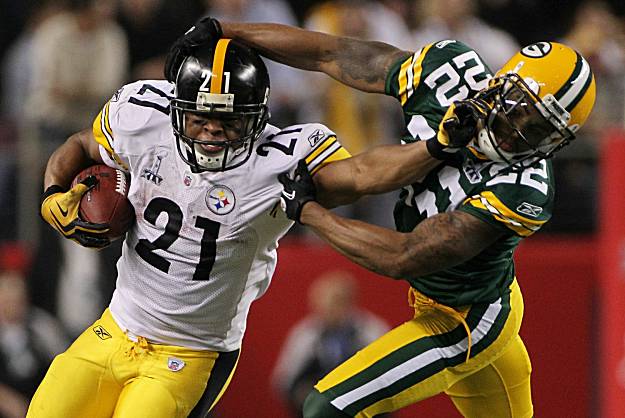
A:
(108, 201)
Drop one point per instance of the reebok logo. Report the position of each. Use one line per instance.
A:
(472, 171)
(315, 137)
(101, 332)
(529, 209)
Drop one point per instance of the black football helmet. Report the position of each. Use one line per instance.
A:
(227, 81)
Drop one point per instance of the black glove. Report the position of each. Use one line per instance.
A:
(60, 209)
(205, 30)
(458, 128)
(298, 191)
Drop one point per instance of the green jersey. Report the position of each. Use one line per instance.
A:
(518, 203)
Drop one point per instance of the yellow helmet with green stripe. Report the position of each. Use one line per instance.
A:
(540, 98)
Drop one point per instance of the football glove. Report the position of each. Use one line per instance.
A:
(297, 191)
(458, 128)
(205, 30)
(60, 210)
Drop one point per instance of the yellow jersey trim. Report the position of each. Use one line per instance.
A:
(410, 74)
(328, 151)
(521, 225)
(102, 131)
(329, 141)
(103, 134)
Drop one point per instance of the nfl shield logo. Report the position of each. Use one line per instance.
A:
(175, 364)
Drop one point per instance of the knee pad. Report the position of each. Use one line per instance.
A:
(317, 405)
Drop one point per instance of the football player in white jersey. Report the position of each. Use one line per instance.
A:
(203, 247)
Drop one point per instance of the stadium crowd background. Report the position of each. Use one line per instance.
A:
(61, 60)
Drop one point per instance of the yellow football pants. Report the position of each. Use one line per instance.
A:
(486, 375)
(106, 375)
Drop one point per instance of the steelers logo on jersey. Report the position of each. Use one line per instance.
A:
(220, 200)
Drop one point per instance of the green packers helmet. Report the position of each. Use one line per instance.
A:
(539, 99)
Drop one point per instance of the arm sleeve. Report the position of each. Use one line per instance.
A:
(514, 208)
(314, 142)
(103, 132)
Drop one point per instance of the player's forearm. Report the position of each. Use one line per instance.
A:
(370, 246)
(389, 167)
(286, 44)
(358, 63)
(438, 243)
(66, 162)
(380, 170)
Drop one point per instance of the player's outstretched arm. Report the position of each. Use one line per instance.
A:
(439, 242)
(379, 170)
(357, 63)
(386, 168)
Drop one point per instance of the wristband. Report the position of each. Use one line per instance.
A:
(437, 150)
(55, 188)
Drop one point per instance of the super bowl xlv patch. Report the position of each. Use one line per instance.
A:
(151, 173)
(220, 200)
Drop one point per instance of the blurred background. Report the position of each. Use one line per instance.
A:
(60, 61)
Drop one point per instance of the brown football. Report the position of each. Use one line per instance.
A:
(108, 201)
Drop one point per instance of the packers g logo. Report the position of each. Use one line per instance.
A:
(537, 50)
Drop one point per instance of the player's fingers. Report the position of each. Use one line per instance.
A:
(90, 227)
(91, 241)
(76, 192)
(284, 178)
(90, 181)
(301, 165)
(302, 169)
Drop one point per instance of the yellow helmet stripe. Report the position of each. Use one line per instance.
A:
(576, 86)
(218, 65)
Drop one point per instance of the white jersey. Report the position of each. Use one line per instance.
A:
(203, 247)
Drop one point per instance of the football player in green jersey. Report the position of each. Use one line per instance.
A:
(457, 225)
